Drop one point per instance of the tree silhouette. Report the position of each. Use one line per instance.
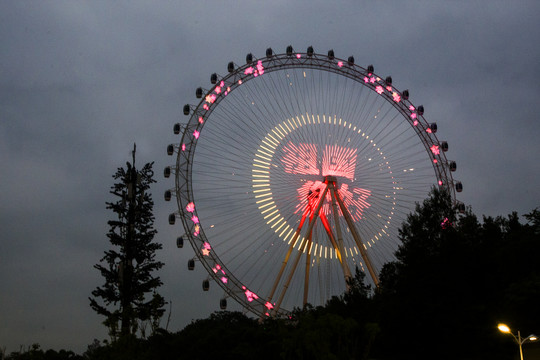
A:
(129, 285)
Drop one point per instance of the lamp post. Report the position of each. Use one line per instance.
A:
(505, 329)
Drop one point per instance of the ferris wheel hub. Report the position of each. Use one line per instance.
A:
(330, 179)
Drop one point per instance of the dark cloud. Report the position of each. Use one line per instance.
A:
(82, 81)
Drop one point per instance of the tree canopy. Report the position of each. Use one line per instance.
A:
(129, 266)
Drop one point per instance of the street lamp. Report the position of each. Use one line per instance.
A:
(505, 329)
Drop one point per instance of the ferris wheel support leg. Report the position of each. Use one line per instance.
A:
(331, 237)
(357, 239)
(308, 263)
(300, 251)
(289, 251)
(344, 265)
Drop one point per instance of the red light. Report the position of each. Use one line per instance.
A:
(336, 161)
(339, 161)
(301, 159)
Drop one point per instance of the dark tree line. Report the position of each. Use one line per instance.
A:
(454, 278)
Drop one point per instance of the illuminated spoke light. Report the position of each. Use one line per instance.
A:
(301, 159)
(339, 161)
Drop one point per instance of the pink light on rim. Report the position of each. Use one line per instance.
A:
(300, 159)
(366, 79)
(298, 56)
(217, 89)
(183, 147)
(372, 80)
(440, 182)
(196, 134)
(269, 306)
(339, 161)
(201, 120)
(446, 223)
(207, 246)
(197, 230)
(240, 82)
(435, 161)
(222, 84)
(190, 207)
(249, 295)
(411, 108)
(217, 268)
(396, 97)
(260, 67)
(205, 107)
(389, 88)
(428, 130)
(413, 115)
(205, 252)
(248, 71)
(195, 219)
(379, 89)
(415, 122)
(210, 98)
(340, 63)
(435, 149)
(224, 279)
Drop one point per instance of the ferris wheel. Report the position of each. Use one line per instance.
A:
(296, 169)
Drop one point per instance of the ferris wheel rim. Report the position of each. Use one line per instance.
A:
(238, 77)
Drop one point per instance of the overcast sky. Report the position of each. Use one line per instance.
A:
(80, 82)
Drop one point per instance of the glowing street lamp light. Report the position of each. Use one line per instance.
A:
(519, 340)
